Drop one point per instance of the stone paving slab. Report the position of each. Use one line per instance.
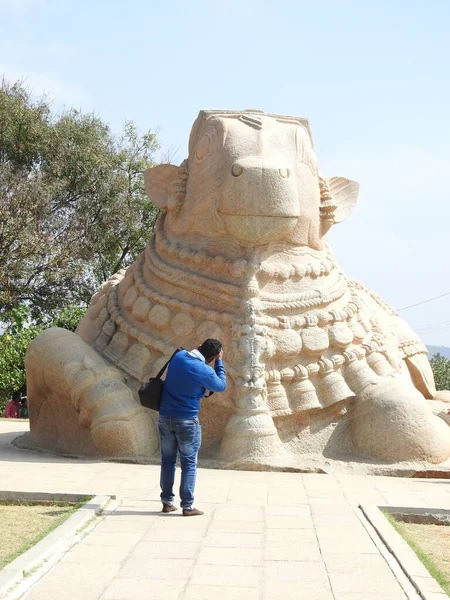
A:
(265, 536)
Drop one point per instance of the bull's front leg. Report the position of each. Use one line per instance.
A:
(79, 404)
(422, 376)
(415, 357)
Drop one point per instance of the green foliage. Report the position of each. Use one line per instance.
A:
(13, 345)
(16, 338)
(68, 317)
(441, 371)
(73, 208)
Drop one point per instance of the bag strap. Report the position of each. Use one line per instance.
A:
(161, 373)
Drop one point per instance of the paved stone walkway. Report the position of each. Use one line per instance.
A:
(265, 536)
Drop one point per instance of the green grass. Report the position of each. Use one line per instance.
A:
(428, 561)
(25, 523)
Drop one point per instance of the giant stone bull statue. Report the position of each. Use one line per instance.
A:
(318, 365)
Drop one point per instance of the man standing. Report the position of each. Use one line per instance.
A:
(188, 378)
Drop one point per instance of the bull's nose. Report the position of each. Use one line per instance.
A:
(239, 167)
(260, 186)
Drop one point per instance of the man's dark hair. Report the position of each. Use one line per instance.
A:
(210, 348)
(17, 396)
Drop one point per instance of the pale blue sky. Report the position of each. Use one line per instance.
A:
(372, 77)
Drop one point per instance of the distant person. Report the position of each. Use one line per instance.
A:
(188, 378)
(23, 411)
(12, 409)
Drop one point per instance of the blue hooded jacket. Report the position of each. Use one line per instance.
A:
(188, 377)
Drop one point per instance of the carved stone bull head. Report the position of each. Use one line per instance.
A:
(253, 177)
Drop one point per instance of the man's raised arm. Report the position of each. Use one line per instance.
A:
(215, 379)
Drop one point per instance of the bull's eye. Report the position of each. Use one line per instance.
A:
(237, 169)
(285, 173)
(203, 148)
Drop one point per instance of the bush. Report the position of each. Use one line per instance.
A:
(14, 341)
(441, 371)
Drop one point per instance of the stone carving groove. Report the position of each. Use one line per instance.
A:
(318, 364)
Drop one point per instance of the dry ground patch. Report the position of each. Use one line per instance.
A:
(24, 524)
(431, 543)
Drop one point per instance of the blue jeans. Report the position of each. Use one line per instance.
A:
(183, 436)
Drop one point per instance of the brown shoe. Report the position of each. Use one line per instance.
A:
(168, 508)
(192, 512)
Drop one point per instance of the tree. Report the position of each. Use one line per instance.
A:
(73, 209)
(441, 371)
(132, 216)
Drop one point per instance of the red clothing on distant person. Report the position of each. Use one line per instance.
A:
(12, 410)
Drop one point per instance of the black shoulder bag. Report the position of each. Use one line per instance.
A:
(150, 393)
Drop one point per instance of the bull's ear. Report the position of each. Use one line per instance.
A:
(157, 181)
(345, 195)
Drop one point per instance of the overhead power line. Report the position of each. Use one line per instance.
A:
(425, 328)
(430, 326)
(424, 301)
(422, 332)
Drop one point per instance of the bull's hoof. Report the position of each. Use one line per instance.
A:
(130, 437)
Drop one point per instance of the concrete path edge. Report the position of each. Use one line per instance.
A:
(427, 587)
(16, 570)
